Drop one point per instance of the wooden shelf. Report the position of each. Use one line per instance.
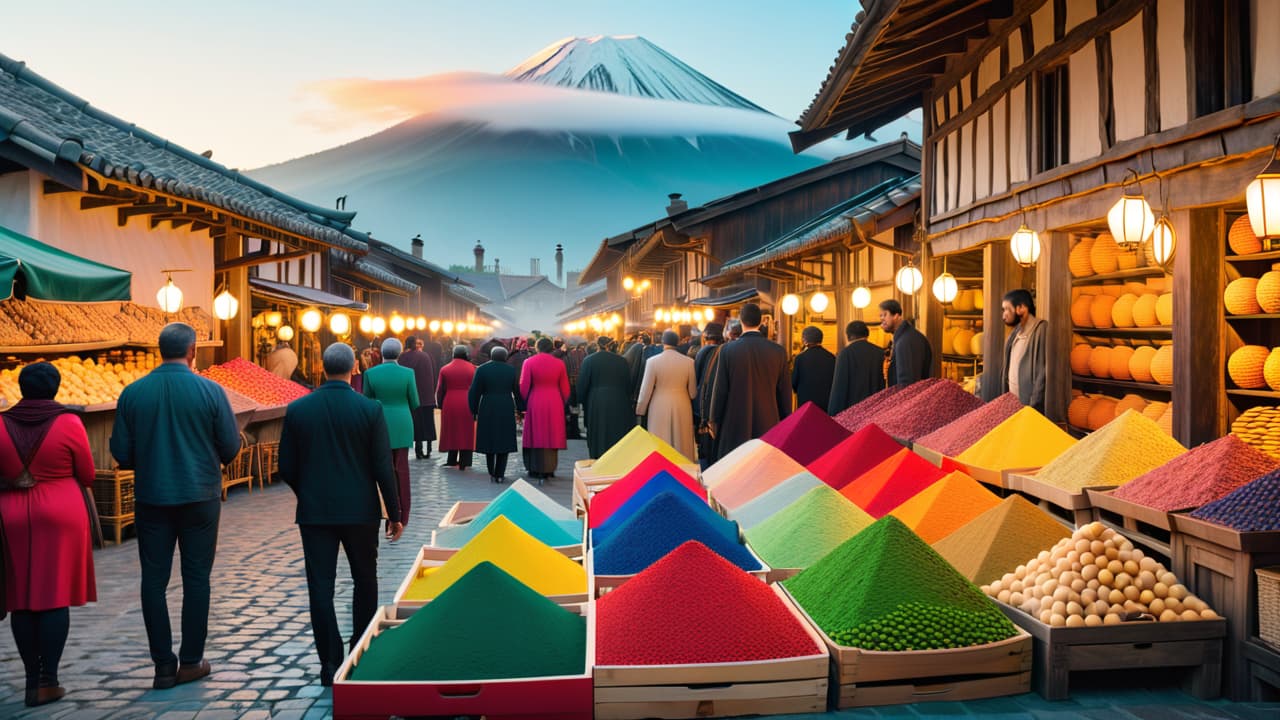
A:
(199, 344)
(1254, 393)
(962, 359)
(1123, 384)
(948, 315)
(1254, 257)
(1077, 432)
(63, 348)
(1154, 331)
(1142, 272)
(1259, 316)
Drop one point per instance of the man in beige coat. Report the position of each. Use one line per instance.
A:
(666, 396)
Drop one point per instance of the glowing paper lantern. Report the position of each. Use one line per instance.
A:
(790, 304)
(311, 320)
(340, 324)
(225, 306)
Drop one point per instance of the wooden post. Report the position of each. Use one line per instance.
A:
(237, 335)
(931, 313)
(1053, 304)
(1199, 396)
(1000, 274)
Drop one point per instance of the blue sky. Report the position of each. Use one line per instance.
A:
(233, 75)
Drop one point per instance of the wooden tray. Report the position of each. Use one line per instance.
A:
(1147, 527)
(601, 584)
(432, 557)
(929, 454)
(567, 697)
(991, 670)
(463, 512)
(1071, 509)
(1259, 542)
(762, 687)
(1060, 651)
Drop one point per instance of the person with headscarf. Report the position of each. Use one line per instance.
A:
(457, 421)
(495, 399)
(396, 388)
(604, 389)
(666, 396)
(425, 371)
(813, 370)
(45, 460)
(544, 384)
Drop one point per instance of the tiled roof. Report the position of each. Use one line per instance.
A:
(42, 121)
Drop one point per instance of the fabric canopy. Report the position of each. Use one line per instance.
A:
(51, 274)
(302, 295)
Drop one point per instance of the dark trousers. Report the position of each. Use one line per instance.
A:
(320, 551)
(193, 528)
(40, 637)
(461, 458)
(497, 464)
(400, 461)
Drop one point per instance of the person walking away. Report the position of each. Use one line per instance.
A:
(435, 351)
(282, 361)
(457, 421)
(750, 393)
(859, 370)
(573, 365)
(910, 357)
(396, 390)
(704, 370)
(604, 387)
(813, 370)
(175, 431)
(1025, 358)
(494, 399)
(335, 455)
(45, 466)
(544, 385)
(666, 396)
(425, 373)
(519, 355)
(634, 356)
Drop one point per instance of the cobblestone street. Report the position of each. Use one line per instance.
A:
(260, 644)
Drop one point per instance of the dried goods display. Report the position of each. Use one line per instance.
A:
(1122, 450)
(855, 455)
(664, 523)
(805, 434)
(255, 382)
(87, 381)
(993, 543)
(1260, 427)
(1198, 476)
(945, 506)
(1253, 507)
(803, 532)
(25, 323)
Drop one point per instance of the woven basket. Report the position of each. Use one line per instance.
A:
(113, 493)
(1269, 605)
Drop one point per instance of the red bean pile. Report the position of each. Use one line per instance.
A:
(854, 418)
(1198, 476)
(936, 405)
(956, 436)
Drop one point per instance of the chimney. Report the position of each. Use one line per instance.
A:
(496, 270)
(559, 264)
(677, 205)
(416, 245)
(535, 266)
(479, 251)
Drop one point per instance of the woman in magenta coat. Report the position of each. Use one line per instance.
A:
(47, 546)
(457, 424)
(544, 383)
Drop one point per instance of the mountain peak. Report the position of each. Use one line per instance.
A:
(625, 65)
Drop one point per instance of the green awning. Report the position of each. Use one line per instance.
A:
(52, 274)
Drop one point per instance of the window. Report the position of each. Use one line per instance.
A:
(1051, 111)
(1219, 49)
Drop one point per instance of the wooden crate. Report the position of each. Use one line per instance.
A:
(587, 483)
(1070, 509)
(1217, 564)
(1262, 664)
(1195, 647)
(599, 585)
(113, 495)
(463, 512)
(432, 557)
(863, 678)
(567, 697)
(763, 687)
(1146, 527)
(573, 551)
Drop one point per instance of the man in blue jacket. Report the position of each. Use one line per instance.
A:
(336, 455)
(175, 430)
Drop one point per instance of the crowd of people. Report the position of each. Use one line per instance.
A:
(344, 450)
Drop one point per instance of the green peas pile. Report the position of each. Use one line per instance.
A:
(923, 626)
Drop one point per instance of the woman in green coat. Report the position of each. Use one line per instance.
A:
(604, 388)
(396, 388)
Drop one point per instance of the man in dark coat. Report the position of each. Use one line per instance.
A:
(704, 365)
(495, 399)
(425, 372)
(634, 356)
(604, 388)
(910, 358)
(435, 351)
(813, 370)
(750, 393)
(336, 456)
(859, 370)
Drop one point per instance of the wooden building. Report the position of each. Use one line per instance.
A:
(1043, 113)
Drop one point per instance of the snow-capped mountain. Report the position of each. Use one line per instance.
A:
(523, 161)
(627, 65)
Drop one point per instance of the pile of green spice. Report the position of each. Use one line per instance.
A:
(803, 532)
(885, 589)
(777, 498)
(485, 626)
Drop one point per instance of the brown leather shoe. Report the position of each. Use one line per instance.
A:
(188, 673)
(44, 695)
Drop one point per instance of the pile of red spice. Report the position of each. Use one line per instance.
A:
(891, 483)
(693, 606)
(925, 411)
(806, 434)
(956, 436)
(607, 501)
(255, 382)
(854, 456)
(1199, 476)
(854, 417)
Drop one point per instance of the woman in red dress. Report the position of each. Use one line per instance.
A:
(44, 458)
(457, 424)
(544, 383)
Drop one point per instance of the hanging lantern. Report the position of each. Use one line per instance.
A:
(274, 319)
(434, 326)
(818, 302)
(285, 333)
(861, 297)
(1025, 245)
(422, 323)
(909, 280)
(1262, 197)
(1163, 241)
(709, 314)
(628, 283)
(790, 304)
(170, 297)
(340, 324)
(311, 320)
(366, 324)
(945, 288)
(447, 327)
(396, 324)
(225, 306)
(379, 325)
(1130, 219)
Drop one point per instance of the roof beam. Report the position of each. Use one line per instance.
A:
(124, 213)
(258, 258)
(93, 202)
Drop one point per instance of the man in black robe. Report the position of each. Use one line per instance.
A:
(750, 393)
(813, 370)
(910, 358)
(604, 389)
(859, 370)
